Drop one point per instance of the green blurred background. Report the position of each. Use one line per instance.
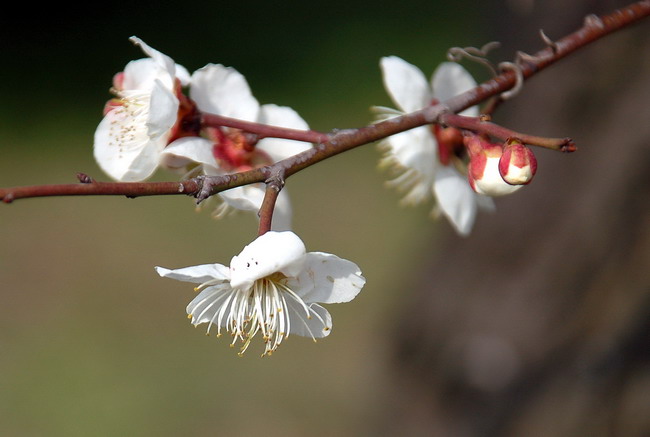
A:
(92, 341)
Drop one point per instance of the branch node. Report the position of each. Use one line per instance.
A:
(204, 188)
(593, 21)
(84, 178)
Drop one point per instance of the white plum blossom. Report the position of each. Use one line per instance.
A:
(415, 153)
(273, 287)
(138, 123)
(221, 90)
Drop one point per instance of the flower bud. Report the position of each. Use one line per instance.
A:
(483, 169)
(517, 164)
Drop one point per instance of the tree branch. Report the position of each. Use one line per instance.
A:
(328, 145)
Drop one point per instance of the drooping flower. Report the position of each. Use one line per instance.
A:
(139, 122)
(273, 287)
(423, 157)
(224, 91)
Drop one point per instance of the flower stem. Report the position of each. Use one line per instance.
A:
(478, 125)
(273, 187)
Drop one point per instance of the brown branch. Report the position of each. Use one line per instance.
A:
(478, 125)
(273, 187)
(593, 29)
(264, 131)
(91, 187)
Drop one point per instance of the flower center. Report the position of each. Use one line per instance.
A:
(266, 307)
(129, 112)
(236, 151)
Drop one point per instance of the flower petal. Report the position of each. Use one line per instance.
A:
(250, 197)
(451, 79)
(269, 253)
(326, 278)
(204, 308)
(282, 116)
(223, 91)
(129, 158)
(141, 74)
(196, 274)
(159, 58)
(163, 111)
(405, 83)
(456, 199)
(317, 325)
(184, 150)
(414, 149)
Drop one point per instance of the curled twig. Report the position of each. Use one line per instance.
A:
(548, 41)
(519, 79)
(456, 54)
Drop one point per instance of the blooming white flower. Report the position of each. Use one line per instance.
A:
(138, 123)
(415, 153)
(224, 91)
(272, 287)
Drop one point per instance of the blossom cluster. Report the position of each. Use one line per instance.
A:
(438, 162)
(152, 123)
(274, 287)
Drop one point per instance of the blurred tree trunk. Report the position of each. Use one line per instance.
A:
(538, 324)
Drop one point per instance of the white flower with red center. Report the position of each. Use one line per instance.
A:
(224, 91)
(273, 287)
(139, 122)
(419, 155)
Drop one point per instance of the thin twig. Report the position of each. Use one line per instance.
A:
(328, 145)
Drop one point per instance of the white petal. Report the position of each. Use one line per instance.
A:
(326, 278)
(318, 325)
(183, 75)
(451, 79)
(267, 254)
(416, 149)
(163, 111)
(196, 274)
(250, 197)
(246, 198)
(282, 116)
(128, 158)
(188, 149)
(141, 74)
(159, 58)
(492, 183)
(456, 199)
(205, 306)
(224, 91)
(405, 83)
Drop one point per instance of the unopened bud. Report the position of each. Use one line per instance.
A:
(518, 164)
(483, 169)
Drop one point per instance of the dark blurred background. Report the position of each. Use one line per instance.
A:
(535, 325)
